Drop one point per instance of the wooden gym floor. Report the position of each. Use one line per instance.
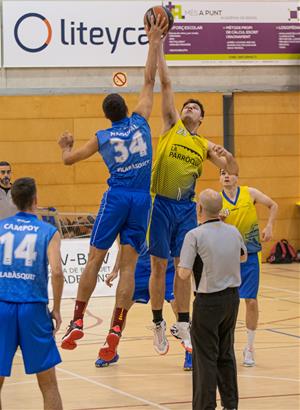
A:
(142, 380)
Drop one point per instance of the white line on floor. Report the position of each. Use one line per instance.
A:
(105, 386)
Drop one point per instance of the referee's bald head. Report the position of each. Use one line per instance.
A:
(210, 202)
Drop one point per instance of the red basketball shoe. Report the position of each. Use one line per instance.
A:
(108, 352)
(74, 332)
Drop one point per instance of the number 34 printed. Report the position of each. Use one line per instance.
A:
(137, 146)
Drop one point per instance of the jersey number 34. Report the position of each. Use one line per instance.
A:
(137, 146)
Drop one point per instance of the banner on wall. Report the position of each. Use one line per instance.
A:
(111, 33)
(74, 254)
(234, 33)
(74, 34)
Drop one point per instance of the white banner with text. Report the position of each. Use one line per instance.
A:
(74, 34)
(74, 255)
(111, 33)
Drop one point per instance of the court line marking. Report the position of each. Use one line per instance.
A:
(121, 392)
(285, 379)
(281, 289)
(34, 381)
(189, 373)
(280, 320)
(281, 276)
(218, 399)
(282, 333)
(147, 375)
(105, 386)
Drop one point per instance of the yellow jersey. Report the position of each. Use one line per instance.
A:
(178, 163)
(241, 213)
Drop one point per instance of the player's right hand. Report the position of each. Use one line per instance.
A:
(66, 140)
(111, 277)
(57, 320)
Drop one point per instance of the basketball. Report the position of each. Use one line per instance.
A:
(164, 12)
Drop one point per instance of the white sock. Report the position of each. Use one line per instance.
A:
(250, 338)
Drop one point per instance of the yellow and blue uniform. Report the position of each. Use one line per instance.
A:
(241, 213)
(25, 320)
(178, 164)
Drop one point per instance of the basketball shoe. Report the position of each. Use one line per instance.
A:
(103, 363)
(248, 357)
(109, 351)
(188, 364)
(74, 332)
(160, 342)
(181, 330)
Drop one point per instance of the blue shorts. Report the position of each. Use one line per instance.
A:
(142, 276)
(170, 221)
(250, 276)
(29, 326)
(122, 212)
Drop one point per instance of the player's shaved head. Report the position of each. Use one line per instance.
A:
(211, 202)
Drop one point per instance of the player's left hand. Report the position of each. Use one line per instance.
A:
(219, 150)
(266, 234)
(223, 214)
(57, 319)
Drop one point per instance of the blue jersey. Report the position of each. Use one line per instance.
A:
(126, 149)
(24, 241)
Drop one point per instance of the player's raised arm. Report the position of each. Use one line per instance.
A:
(70, 157)
(154, 33)
(222, 158)
(169, 112)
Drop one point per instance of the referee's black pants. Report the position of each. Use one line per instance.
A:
(213, 325)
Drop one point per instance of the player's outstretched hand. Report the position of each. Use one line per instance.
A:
(157, 29)
(111, 277)
(57, 319)
(66, 140)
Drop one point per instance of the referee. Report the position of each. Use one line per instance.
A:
(221, 248)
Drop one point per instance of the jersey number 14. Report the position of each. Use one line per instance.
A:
(25, 250)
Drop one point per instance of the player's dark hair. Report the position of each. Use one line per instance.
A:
(193, 101)
(5, 164)
(114, 107)
(23, 193)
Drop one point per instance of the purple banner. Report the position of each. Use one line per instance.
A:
(220, 38)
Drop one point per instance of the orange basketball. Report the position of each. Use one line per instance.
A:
(164, 12)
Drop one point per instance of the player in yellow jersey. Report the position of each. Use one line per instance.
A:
(179, 158)
(239, 210)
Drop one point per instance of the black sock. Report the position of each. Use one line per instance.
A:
(157, 316)
(184, 317)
